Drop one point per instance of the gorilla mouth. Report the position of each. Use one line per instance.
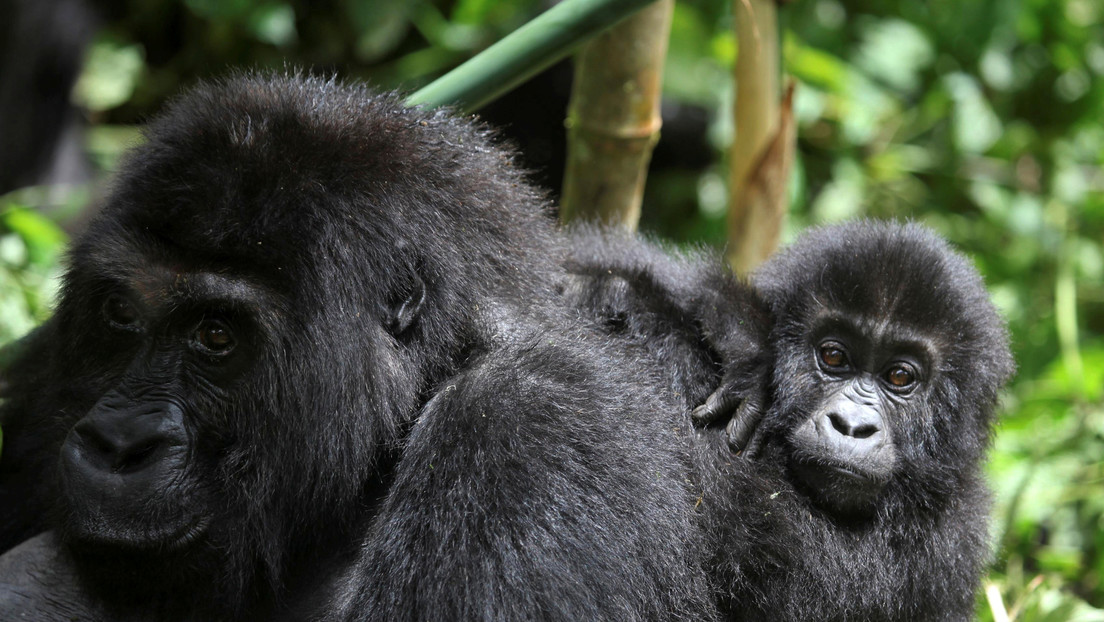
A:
(842, 489)
(124, 494)
(846, 472)
(813, 472)
(137, 534)
(186, 533)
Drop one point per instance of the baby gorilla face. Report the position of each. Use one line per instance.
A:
(864, 376)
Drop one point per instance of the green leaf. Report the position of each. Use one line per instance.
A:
(274, 23)
(43, 238)
(815, 66)
(976, 126)
(895, 52)
(110, 74)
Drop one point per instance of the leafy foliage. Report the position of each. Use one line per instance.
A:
(30, 245)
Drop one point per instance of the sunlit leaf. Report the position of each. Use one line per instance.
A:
(895, 52)
(976, 126)
(273, 23)
(42, 237)
(815, 66)
(842, 199)
(111, 71)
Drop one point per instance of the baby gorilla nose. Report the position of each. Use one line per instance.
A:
(843, 454)
(853, 425)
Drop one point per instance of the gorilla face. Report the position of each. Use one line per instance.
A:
(173, 343)
(198, 386)
(228, 328)
(888, 358)
(870, 377)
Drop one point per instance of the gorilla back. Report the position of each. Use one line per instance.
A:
(308, 362)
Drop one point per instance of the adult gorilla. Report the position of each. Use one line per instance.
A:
(860, 494)
(309, 358)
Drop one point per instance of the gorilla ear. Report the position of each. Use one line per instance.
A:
(401, 313)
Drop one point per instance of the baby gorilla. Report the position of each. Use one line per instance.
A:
(860, 495)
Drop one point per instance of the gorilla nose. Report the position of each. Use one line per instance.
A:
(113, 451)
(848, 424)
(122, 444)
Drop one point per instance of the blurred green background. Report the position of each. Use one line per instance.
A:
(983, 119)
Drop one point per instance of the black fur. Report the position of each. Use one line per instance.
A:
(407, 423)
(920, 555)
(683, 308)
(784, 548)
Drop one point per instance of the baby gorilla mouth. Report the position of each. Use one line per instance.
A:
(844, 472)
(843, 489)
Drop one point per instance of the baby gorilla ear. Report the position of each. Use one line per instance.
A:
(403, 310)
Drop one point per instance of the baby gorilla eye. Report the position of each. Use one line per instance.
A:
(120, 313)
(214, 337)
(832, 355)
(900, 376)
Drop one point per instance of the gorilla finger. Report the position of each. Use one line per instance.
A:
(720, 403)
(743, 425)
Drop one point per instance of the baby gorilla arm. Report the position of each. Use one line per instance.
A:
(705, 329)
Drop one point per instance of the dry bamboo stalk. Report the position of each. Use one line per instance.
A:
(762, 197)
(613, 118)
(757, 198)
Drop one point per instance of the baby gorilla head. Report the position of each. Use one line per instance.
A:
(888, 359)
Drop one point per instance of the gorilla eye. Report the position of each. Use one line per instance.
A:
(120, 313)
(214, 337)
(900, 376)
(832, 355)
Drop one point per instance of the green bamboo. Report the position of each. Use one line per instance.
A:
(525, 52)
(613, 118)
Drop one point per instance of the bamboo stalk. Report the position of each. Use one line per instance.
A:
(761, 199)
(757, 199)
(613, 118)
(523, 53)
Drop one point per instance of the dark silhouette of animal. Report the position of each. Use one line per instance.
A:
(309, 362)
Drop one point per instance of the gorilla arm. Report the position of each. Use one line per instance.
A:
(39, 582)
(735, 323)
(686, 308)
(507, 487)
